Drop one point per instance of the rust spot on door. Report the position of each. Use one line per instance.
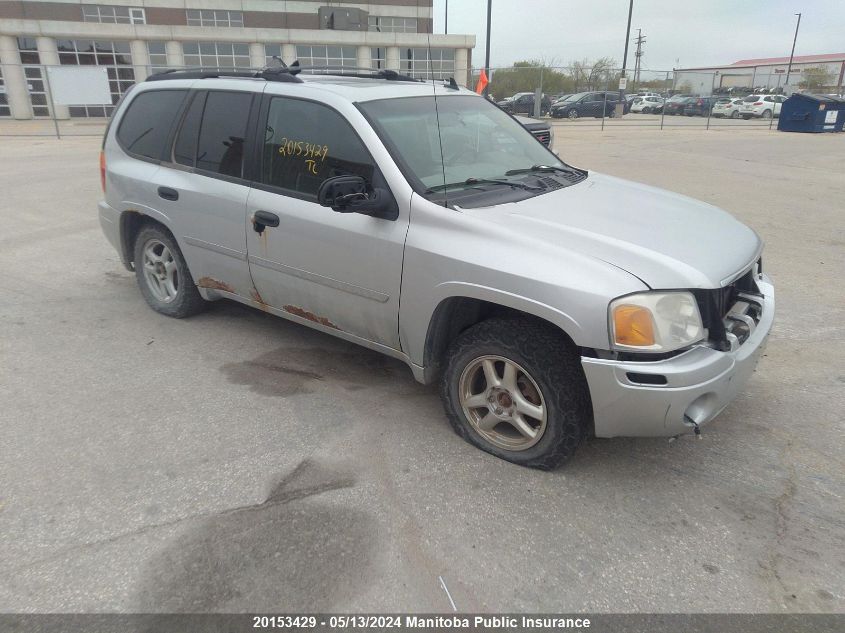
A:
(256, 296)
(214, 284)
(310, 316)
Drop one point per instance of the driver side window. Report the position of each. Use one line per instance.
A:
(305, 143)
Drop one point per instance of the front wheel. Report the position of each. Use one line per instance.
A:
(515, 388)
(573, 114)
(767, 114)
(163, 275)
(736, 115)
(646, 110)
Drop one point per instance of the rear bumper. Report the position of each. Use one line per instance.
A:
(700, 383)
(110, 223)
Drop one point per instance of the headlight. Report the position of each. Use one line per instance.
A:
(655, 321)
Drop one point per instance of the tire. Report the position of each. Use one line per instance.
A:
(176, 295)
(646, 110)
(747, 117)
(767, 114)
(572, 114)
(736, 115)
(548, 376)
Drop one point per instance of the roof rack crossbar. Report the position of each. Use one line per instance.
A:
(283, 73)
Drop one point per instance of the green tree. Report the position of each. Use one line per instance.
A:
(816, 79)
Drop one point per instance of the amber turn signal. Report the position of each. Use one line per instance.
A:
(633, 325)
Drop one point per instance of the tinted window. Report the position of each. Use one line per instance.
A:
(185, 148)
(305, 143)
(145, 127)
(221, 142)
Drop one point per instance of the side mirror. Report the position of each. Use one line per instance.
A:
(353, 194)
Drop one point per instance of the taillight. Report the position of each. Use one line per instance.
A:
(759, 103)
(103, 170)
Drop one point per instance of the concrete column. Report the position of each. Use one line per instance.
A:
(364, 57)
(461, 69)
(391, 58)
(16, 92)
(140, 59)
(174, 54)
(48, 53)
(257, 58)
(288, 53)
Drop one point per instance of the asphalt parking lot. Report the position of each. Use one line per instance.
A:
(238, 462)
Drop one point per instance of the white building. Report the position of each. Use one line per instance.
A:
(134, 38)
(769, 72)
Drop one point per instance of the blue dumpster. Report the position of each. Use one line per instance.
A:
(812, 113)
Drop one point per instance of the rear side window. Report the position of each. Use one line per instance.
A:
(145, 127)
(220, 147)
(185, 148)
(305, 143)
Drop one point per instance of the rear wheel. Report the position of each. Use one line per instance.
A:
(646, 110)
(163, 275)
(515, 388)
(736, 115)
(767, 114)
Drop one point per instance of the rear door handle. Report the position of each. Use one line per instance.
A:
(263, 219)
(168, 194)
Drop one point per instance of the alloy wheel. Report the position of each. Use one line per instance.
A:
(160, 271)
(503, 403)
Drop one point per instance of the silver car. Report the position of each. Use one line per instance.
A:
(419, 220)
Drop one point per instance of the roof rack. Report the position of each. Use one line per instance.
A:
(283, 73)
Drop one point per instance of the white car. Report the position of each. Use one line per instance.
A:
(761, 106)
(647, 104)
(728, 108)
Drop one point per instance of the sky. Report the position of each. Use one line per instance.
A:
(678, 34)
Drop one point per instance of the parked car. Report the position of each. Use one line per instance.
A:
(728, 108)
(541, 130)
(585, 104)
(761, 106)
(699, 106)
(675, 105)
(647, 105)
(523, 103)
(445, 237)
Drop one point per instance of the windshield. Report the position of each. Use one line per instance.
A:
(574, 97)
(479, 141)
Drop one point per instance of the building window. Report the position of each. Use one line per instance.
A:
(34, 76)
(378, 57)
(114, 56)
(385, 24)
(5, 110)
(208, 17)
(439, 65)
(319, 55)
(113, 15)
(224, 55)
(158, 56)
(270, 51)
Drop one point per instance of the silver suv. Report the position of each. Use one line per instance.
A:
(419, 220)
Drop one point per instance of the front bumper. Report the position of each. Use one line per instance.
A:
(700, 383)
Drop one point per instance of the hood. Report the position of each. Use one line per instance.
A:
(665, 239)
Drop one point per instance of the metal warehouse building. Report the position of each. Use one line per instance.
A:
(133, 38)
(770, 73)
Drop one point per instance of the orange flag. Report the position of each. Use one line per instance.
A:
(482, 82)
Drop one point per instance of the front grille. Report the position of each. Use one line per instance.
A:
(544, 136)
(731, 313)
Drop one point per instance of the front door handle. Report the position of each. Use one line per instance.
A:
(263, 219)
(168, 194)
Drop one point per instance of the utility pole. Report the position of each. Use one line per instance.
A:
(446, 19)
(792, 54)
(620, 107)
(638, 55)
(487, 52)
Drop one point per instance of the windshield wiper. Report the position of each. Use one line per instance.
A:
(528, 170)
(484, 181)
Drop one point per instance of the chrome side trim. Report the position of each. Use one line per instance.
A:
(223, 250)
(344, 286)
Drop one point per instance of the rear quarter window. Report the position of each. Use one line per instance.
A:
(145, 127)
